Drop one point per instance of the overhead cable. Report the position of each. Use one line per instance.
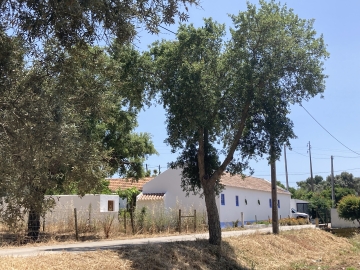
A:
(328, 131)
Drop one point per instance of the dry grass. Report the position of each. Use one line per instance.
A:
(303, 249)
(60, 227)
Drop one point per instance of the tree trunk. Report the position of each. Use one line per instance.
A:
(35, 211)
(132, 221)
(33, 224)
(213, 214)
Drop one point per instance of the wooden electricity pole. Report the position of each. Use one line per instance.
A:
(332, 184)
(311, 173)
(286, 171)
(274, 204)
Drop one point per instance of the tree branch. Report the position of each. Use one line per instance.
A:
(234, 144)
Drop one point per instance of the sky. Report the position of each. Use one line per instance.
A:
(337, 112)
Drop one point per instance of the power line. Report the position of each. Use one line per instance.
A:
(345, 157)
(330, 150)
(343, 170)
(307, 156)
(299, 153)
(167, 29)
(328, 131)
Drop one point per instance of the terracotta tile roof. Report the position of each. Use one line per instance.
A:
(151, 196)
(249, 183)
(116, 183)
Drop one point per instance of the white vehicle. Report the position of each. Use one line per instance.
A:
(296, 214)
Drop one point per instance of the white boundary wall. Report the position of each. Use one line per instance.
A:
(88, 207)
(337, 222)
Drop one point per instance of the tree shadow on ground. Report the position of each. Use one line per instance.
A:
(197, 254)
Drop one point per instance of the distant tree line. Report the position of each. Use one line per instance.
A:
(320, 200)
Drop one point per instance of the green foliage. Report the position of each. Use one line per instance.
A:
(130, 196)
(349, 208)
(318, 202)
(188, 161)
(235, 96)
(74, 22)
(345, 184)
(345, 180)
(279, 184)
(58, 114)
(102, 188)
(128, 193)
(319, 206)
(148, 173)
(319, 184)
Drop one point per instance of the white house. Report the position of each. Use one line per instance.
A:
(250, 195)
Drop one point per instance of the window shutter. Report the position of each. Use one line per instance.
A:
(222, 199)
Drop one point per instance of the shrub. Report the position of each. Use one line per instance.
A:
(107, 225)
(349, 208)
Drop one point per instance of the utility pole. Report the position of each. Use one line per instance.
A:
(311, 173)
(286, 171)
(274, 204)
(332, 183)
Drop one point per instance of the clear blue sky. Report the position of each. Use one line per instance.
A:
(338, 111)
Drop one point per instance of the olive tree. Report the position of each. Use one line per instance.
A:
(67, 122)
(219, 96)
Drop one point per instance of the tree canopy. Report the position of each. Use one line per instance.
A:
(73, 22)
(229, 97)
(67, 123)
(320, 201)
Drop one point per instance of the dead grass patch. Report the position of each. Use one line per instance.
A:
(298, 249)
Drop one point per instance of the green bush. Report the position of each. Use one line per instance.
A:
(349, 208)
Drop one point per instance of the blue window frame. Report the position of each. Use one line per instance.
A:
(270, 204)
(222, 199)
(237, 200)
(278, 203)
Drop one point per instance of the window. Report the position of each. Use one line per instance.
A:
(278, 203)
(237, 200)
(110, 206)
(270, 204)
(222, 199)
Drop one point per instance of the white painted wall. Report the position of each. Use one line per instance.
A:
(154, 207)
(88, 207)
(337, 222)
(230, 212)
(98, 202)
(293, 203)
(104, 202)
(169, 183)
